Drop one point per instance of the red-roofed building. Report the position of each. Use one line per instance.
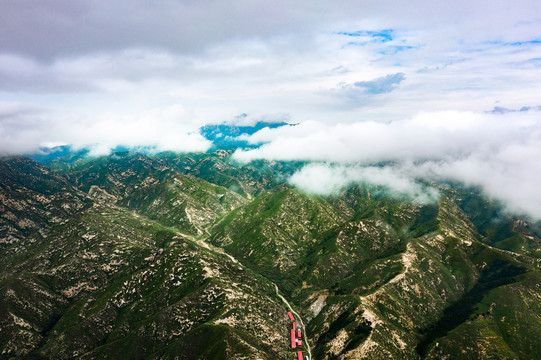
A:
(293, 325)
(299, 355)
(299, 333)
(293, 342)
(299, 343)
(290, 315)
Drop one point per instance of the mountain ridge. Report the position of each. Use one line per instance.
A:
(371, 276)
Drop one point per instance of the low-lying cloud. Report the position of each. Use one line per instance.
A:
(501, 153)
(330, 179)
(25, 130)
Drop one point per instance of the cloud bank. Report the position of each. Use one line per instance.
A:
(500, 153)
(25, 130)
(330, 179)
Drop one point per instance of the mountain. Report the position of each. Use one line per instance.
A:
(152, 188)
(59, 154)
(220, 168)
(227, 136)
(380, 278)
(33, 197)
(195, 256)
(109, 283)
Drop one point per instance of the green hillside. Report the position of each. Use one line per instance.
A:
(177, 256)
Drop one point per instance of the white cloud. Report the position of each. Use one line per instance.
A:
(330, 179)
(499, 153)
(423, 137)
(169, 128)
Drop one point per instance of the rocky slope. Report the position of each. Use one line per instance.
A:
(154, 187)
(31, 198)
(109, 283)
(381, 278)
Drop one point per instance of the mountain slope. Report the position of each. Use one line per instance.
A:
(222, 169)
(108, 284)
(31, 198)
(154, 188)
(380, 277)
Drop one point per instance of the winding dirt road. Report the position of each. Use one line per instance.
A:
(298, 317)
(204, 244)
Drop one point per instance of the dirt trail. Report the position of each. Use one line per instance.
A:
(299, 318)
(204, 244)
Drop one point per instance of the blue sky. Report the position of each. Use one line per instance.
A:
(138, 73)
